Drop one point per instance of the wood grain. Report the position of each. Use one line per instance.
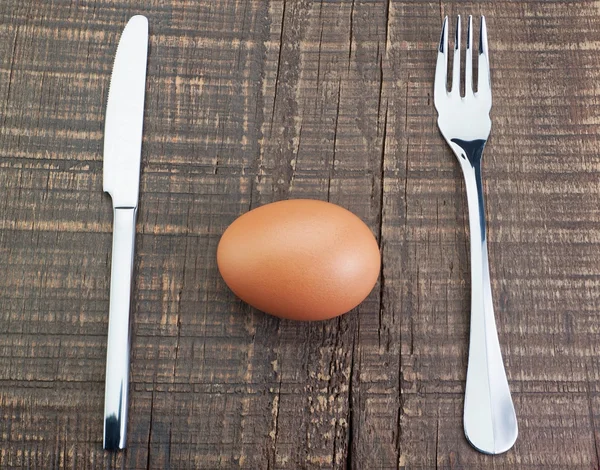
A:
(250, 102)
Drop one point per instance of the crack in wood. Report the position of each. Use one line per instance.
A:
(387, 23)
(278, 67)
(350, 39)
(149, 446)
(380, 227)
(335, 131)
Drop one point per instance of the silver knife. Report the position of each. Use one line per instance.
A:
(122, 156)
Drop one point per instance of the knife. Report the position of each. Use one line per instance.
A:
(122, 157)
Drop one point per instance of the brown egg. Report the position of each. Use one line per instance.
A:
(300, 259)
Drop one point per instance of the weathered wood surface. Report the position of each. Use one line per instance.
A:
(250, 102)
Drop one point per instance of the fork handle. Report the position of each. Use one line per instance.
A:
(490, 421)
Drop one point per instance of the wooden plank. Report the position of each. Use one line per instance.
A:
(250, 102)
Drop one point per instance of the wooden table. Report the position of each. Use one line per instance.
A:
(250, 102)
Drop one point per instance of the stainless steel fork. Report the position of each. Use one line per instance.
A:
(489, 415)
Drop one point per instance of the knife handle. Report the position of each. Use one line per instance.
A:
(119, 332)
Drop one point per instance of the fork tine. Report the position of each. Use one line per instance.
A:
(456, 61)
(483, 82)
(469, 59)
(441, 69)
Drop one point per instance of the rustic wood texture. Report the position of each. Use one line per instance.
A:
(250, 102)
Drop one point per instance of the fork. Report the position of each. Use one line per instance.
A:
(489, 420)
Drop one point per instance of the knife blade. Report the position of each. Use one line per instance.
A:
(121, 179)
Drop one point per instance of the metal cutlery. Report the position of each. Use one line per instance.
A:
(121, 178)
(490, 422)
(489, 416)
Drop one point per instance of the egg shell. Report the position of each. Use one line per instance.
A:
(300, 259)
